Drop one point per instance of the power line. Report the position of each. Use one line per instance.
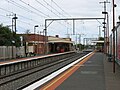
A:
(21, 27)
(54, 9)
(6, 10)
(28, 18)
(60, 8)
(46, 7)
(25, 22)
(21, 16)
(4, 16)
(23, 7)
(18, 15)
(34, 8)
(51, 6)
(37, 9)
(21, 20)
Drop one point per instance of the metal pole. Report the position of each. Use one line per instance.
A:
(80, 41)
(99, 31)
(73, 27)
(45, 48)
(108, 31)
(113, 2)
(15, 23)
(34, 39)
(12, 39)
(76, 41)
(105, 29)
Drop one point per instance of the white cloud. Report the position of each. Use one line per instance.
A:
(75, 8)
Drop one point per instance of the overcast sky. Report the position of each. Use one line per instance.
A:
(34, 12)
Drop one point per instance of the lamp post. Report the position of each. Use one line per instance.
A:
(113, 30)
(104, 37)
(107, 33)
(13, 21)
(35, 28)
(104, 26)
(14, 18)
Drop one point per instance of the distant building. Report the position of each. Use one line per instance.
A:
(58, 45)
(34, 43)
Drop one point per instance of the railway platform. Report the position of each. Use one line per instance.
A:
(92, 73)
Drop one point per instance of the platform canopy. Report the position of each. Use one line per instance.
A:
(59, 40)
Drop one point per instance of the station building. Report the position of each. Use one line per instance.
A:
(35, 44)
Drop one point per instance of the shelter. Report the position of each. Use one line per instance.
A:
(57, 45)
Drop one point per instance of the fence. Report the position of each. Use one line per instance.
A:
(9, 52)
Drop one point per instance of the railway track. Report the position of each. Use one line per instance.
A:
(23, 78)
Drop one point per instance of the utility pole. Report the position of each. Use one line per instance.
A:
(113, 30)
(105, 30)
(15, 23)
(13, 30)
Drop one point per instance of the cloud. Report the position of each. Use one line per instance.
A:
(75, 8)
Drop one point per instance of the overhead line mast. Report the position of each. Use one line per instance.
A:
(105, 28)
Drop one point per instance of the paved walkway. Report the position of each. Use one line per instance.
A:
(112, 79)
(95, 74)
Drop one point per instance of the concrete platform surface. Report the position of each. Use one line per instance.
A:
(95, 74)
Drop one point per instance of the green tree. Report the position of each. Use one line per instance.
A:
(101, 38)
(7, 37)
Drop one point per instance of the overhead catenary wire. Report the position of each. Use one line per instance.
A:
(34, 8)
(27, 23)
(4, 16)
(19, 15)
(28, 18)
(51, 7)
(46, 8)
(26, 9)
(18, 20)
(23, 7)
(6, 10)
(60, 8)
(39, 10)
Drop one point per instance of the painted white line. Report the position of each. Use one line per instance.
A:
(51, 76)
